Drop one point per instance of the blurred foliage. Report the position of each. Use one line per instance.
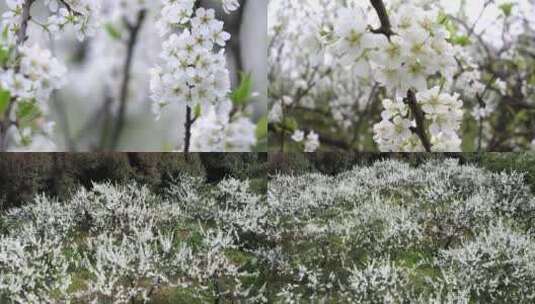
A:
(58, 174)
(511, 161)
(336, 162)
(239, 165)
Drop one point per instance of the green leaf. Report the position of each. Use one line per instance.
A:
(507, 8)
(443, 18)
(290, 124)
(242, 94)
(261, 145)
(4, 56)
(112, 31)
(28, 111)
(5, 97)
(197, 111)
(5, 33)
(262, 128)
(461, 40)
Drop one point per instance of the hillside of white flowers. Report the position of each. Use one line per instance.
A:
(439, 232)
(123, 244)
(391, 233)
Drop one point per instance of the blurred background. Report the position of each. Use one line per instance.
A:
(24, 175)
(84, 109)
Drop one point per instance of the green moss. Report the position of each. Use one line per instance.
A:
(79, 281)
(238, 257)
(181, 296)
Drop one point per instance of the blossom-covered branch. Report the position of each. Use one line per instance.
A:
(419, 116)
(385, 49)
(419, 129)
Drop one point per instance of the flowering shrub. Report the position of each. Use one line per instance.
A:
(184, 67)
(385, 233)
(123, 244)
(392, 233)
(495, 266)
(401, 75)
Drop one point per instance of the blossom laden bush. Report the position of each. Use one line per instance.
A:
(389, 232)
(392, 233)
(123, 244)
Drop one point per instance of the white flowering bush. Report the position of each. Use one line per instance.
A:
(495, 266)
(128, 56)
(389, 232)
(401, 76)
(124, 244)
(393, 233)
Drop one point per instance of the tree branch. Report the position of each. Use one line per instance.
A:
(235, 27)
(6, 123)
(386, 26)
(21, 34)
(419, 116)
(69, 8)
(187, 126)
(410, 100)
(123, 97)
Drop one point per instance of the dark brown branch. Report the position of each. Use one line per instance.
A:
(69, 8)
(386, 26)
(410, 100)
(187, 126)
(123, 97)
(5, 124)
(419, 117)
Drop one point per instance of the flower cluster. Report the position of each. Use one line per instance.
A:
(216, 131)
(393, 133)
(30, 73)
(83, 15)
(193, 74)
(35, 77)
(443, 113)
(403, 60)
(311, 141)
(417, 49)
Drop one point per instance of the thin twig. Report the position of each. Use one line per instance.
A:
(6, 123)
(69, 8)
(25, 18)
(123, 97)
